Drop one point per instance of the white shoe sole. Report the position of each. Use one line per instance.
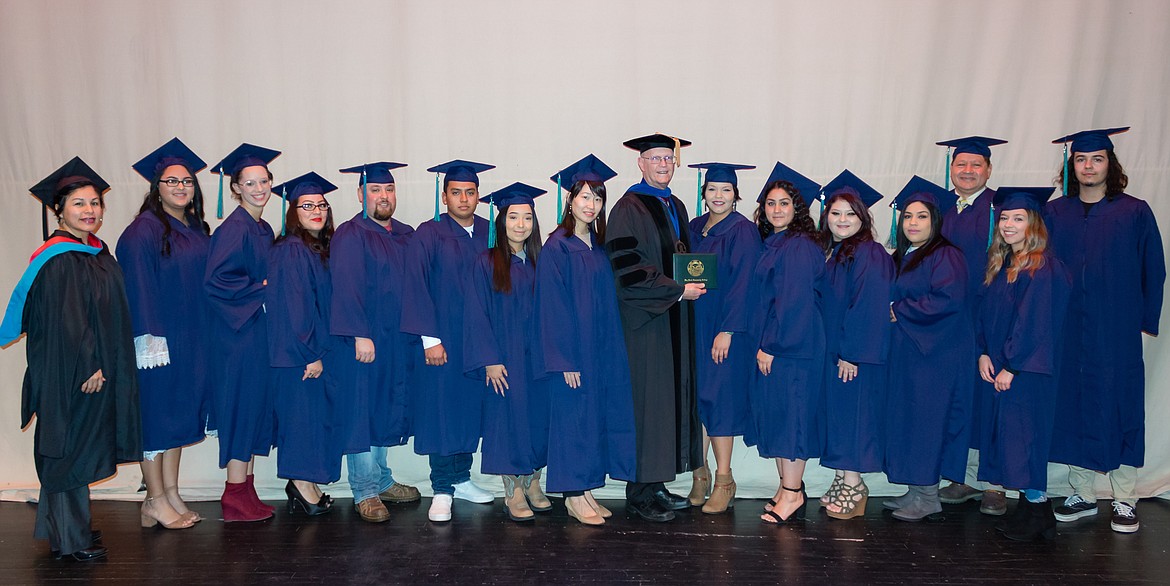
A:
(1075, 516)
(1124, 528)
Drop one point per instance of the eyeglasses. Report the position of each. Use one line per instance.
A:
(252, 183)
(308, 207)
(172, 182)
(658, 160)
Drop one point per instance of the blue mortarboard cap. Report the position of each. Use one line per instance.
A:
(245, 155)
(174, 152)
(458, 170)
(71, 172)
(847, 182)
(308, 184)
(375, 172)
(809, 190)
(721, 172)
(516, 193)
(976, 145)
(1022, 198)
(589, 168)
(919, 189)
(1088, 141)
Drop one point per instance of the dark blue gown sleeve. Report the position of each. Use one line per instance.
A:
(294, 326)
(744, 250)
(947, 294)
(138, 253)
(1032, 343)
(480, 348)
(233, 294)
(347, 316)
(867, 319)
(419, 315)
(1153, 270)
(555, 310)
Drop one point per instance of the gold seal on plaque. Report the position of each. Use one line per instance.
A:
(696, 268)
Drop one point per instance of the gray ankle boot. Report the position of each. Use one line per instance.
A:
(924, 504)
(901, 501)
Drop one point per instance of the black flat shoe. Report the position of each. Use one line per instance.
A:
(85, 555)
(650, 511)
(671, 502)
(296, 500)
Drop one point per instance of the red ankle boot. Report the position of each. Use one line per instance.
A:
(255, 498)
(238, 506)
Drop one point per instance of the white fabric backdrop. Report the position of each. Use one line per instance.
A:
(531, 86)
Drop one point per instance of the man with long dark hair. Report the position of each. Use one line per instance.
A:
(1110, 242)
(646, 227)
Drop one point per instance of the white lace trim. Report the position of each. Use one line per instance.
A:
(151, 351)
(150, 456)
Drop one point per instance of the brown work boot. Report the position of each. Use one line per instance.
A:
(373, 510)
(957, 493)
(400, 493)
(994, 503)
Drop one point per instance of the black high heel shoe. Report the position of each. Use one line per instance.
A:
(797, 515)
(297, 500)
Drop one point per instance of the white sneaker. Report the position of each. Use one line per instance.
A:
(468, 491)
(440, 508)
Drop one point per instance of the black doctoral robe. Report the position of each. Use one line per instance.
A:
(78, 321)
(659, 333)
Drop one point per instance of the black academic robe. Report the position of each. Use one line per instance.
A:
(659, 333)
(78, 321)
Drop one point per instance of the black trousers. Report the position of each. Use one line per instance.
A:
(63, 518)
(642, 492)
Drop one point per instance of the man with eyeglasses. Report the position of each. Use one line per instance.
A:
(647, 226)
(369, 252)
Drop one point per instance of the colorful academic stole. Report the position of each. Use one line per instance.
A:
(10, 328)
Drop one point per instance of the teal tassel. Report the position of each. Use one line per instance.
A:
(491, 224)
(990, 225)
(283, 202)
(559, 218)
(698, 191)
(219, 206)
(1064, 172)
(364, 214)
(893, 241)
(947, 181)
(436, 197)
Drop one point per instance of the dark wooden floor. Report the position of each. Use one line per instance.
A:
(482, 546)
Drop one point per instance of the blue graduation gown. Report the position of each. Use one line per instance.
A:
(237, 265)
(928, 402)
(855, 304)
(969, 231)
(368, 264)
(499, 328)
(313, 416)
(1020, 328)
(446, 406)
(787, 417)
(722, 388)
(166, 300)
(591, 428)
(1115, 255)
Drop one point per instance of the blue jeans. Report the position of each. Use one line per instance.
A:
(447, 471)
(368, 473)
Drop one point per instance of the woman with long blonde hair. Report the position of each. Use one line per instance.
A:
(1018, 332)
